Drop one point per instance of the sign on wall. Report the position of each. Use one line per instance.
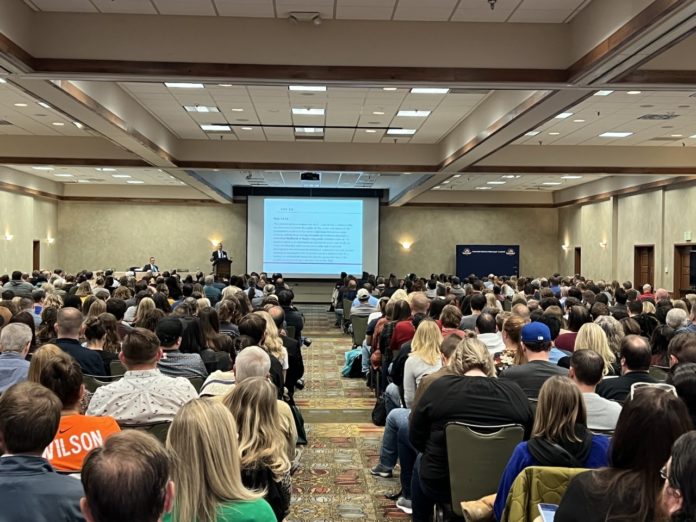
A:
(487, 259)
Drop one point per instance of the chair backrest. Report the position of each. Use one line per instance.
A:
(536, 485)
(92, 382)
(158, 429)
(659, 372)
(477, 456)
(197, 382)
(347, 305)
(116, 367)
(290, 331)
(359, 329)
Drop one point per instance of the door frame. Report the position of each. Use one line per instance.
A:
(677, 267)
(638, 285)
(577, 260)
(36, 254)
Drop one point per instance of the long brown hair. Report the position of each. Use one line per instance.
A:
(560, 408)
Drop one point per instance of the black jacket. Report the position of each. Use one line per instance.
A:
(90, 360)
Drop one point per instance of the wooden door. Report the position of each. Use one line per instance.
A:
(682, 269)
(644, 266)
(578, 263)
(36, 263)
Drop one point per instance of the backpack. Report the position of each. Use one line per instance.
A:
(353, 359)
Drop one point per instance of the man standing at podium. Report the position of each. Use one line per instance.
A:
(219, 255)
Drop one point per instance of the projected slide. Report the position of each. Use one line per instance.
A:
(313, 236)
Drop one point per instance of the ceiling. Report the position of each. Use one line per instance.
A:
(669, 119)
(515, 182)
(527, 11)
(264, 113)
(105, 175)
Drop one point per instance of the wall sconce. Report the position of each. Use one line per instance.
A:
(8, 237)
(406, 245)
(565, 247)
(50, 240)
(215, 242)
(603, 244)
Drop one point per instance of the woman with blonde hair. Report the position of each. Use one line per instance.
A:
(648, 307)
(203, 444)
(559, 437)
(272, 341)
(424, 358)
(262, 443)
(84, 290)
(470, 393)
(144, 306)
(97, 308)
(591, 336)
(39, 361)
(512, 338)
(614, 331)
(53, 301)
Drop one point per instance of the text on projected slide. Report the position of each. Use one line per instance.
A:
(317, 236)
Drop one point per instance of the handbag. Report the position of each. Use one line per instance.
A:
(299, 424)
(379, 412)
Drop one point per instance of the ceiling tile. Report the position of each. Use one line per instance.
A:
(72, 6)
(125, 6)
(246, 8)
(185, 7)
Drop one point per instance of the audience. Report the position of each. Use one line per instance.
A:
(559, 437)
(628, 490)
(140, 466)
(30, 489)
(144, 395)
(586, 369)
(15, 340)
(68, 330)
(174, 363)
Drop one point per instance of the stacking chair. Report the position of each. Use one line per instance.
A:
(92, 382)
(116, 368)
(158, 429)
(359, 329)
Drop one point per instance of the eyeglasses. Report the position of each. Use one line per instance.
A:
(659, 385)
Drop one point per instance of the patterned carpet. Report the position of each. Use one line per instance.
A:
(334, 482)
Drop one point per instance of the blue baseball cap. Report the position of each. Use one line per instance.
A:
(535, 333)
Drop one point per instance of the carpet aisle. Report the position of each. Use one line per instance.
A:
(334, 482)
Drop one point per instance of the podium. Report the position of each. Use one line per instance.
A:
(223, 268)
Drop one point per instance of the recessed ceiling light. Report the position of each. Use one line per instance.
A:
(236, 109)
(633, 92)
(200, 108)
(83, 181)
(677, 135)
(456, 175)
(532, 133)
(564, 115)
(484, 188)
(429, 90)
(58, 123)
(307, 112)
(388, 88)
(571, 177)
(224, 85)
(3, 80)
(603, 93)
(135, 182)
(554, 133)
(215, 128)
(615, 134)
(307, 88)
(20, 105)
(511, 176)
(578, 121)
(378, 113)
(445, 182)
(414, 114)
(496, 182)
(436, 188)
(44, 105)
(78, 125)
(693, 137)
(370, 131)
(61, 175)
(42, 168)
(120, 176)
(247, 128)
(309, 130)
(402, 132)
(184, 85)
(105, 169)
(552, 183)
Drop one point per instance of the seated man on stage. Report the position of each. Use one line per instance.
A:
(219, 255)
(151, 266)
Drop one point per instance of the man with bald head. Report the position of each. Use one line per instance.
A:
(68, 329)
(405, 330)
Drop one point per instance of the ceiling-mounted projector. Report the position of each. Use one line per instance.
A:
(310, 176)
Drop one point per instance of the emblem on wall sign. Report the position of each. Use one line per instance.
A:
(509, 252)
(466, 252)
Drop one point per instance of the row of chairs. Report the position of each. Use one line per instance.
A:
(92, 382)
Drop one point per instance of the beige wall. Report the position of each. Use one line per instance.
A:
(115, 235)
(436, 231)
(27, 219)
